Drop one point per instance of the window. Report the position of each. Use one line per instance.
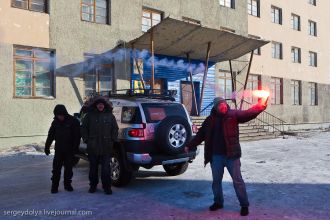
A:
(254, 7)
(225, 85)
(296, 92)
(95, 11)
(312, 2)
(295, 22)
(277, 50)
(139, 63)
(254, 83)
(312, 92)
(296, 55)
(34, 72)
(191, 21)
(276, 88)
(98, 77)
(131, 115)
(312, 28)
(312, 59)
(258, 50)
(150, 18)
(227, 3)
(276, 15)
(32, 5)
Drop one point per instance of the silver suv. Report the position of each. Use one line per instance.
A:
(153, 130)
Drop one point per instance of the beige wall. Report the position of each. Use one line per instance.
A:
(23, 27)
(263, 27)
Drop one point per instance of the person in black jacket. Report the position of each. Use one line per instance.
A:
(65, 130)
(220, 132)
(99, 130)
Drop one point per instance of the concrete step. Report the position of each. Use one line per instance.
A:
(256, 138)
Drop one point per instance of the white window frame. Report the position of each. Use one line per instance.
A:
(253, 8)
(277, 50)
(295, 55)
(295, 22)
(276, 15)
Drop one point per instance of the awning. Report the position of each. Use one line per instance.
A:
(177, 38)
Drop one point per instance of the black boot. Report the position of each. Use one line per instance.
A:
(108, 191)
(92, 189)
(244, 211)
(68, 187)
(215, 206)
(54, 188)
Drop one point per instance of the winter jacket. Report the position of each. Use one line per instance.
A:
(65, 133)
(230, 129)
(99, 130)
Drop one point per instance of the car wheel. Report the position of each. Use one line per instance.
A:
(172, 134)
(120, 176)
(176, 169)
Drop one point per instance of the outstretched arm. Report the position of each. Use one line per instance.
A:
(251, 113)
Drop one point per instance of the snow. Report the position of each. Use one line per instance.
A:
(286, 179)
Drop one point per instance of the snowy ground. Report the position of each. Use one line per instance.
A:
(286, 179)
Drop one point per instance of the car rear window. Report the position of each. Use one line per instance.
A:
(156, 112)
(131, 115)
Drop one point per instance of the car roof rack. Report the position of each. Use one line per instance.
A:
(162, 94)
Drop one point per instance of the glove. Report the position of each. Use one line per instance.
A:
(47, 151)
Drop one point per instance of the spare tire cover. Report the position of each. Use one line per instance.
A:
(172, 134)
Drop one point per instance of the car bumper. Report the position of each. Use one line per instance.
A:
(147, 159)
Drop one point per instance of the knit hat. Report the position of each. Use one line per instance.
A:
(218, 100)
(60, 110)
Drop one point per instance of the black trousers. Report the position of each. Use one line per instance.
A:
(94, 161)
(62, 159)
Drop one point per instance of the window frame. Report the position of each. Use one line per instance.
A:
(314, 61)
(274, 55)
(310, 24)
(107, 18)
(312, 2)
(310, 93)
(296, 92)
(293, 55)
(29, 8)
(224, 4)
(273, 18)
(278, 100)
(250, 8)
(253, 83)
(97, 75)
(225, 76)
(152, 12)
(293, 26)
(34, 59)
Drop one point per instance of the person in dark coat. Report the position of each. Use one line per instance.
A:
(65, 130)
(220, 131)
(100, 131)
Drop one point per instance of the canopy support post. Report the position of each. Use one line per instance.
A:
(246, 79)
(152, 49)
(233, 83)
(192, 86)
(135, 60)
(205, 75)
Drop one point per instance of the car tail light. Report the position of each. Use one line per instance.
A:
(194, 128)
(136, 132)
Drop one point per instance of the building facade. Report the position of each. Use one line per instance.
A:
(40, 37)
(295, 64)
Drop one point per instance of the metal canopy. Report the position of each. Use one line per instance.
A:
(177, 38)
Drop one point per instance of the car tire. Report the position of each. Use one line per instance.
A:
(172, 134)
(119, 175)
(76, 160)
(176, 169)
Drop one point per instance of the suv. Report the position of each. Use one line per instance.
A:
(153, 130)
